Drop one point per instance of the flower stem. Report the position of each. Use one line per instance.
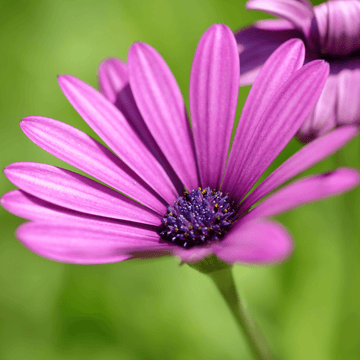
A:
(224, 281)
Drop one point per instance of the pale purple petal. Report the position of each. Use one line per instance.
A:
(288, 58)
(348, 107)
(323, 117)
(87, 244)
(108, 122)
(298, 12)
(339, 26)
(279, 123)
(303, 159)
(214, 87)
(160, 102)
(256, 43)
(76, 192)
(80, 150)
(306, 190)
(255, 242)
(113, 77)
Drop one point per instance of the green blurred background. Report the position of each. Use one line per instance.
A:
(308, 306)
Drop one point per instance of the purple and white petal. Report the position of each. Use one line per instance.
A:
(339, 26)
(113, 77)
(298, 12)
(80, 150)
(76, 192)
(256, 43)
(348, 107)
(214, 87)
(255, 242)
(161, 105)
(303, 159)
(87, 244)
(108, 122)
(278, 124)
(306, 190)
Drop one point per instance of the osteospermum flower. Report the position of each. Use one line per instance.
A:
(167, 189)
(331, 31)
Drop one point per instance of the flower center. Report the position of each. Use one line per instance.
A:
(196, 218)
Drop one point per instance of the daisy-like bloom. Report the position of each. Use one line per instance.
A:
(330, 31)
(141, 208)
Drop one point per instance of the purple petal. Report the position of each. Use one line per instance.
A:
(107, 121)
(278, 124)
(80, 150)
(87, 245)
(113, 77)
(306, 190)
(256, 43)
(306, 157)
(323, 117)
(76, 192)
(348, 109)
(298, 12)
(339, 26)
(282, 63)
(214, 87)
(160, 102)
(255, 242)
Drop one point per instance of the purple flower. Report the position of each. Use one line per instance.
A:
(331, 31)
(144, 211)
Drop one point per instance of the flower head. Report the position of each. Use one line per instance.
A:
(330, 31)
(170, 189)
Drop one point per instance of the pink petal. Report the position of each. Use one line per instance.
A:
(106, 120)
(306, 157)
(214, 87)
(113, 77)
(194, 254)
(298, 12)
(76, 192)
(348, 109)
(323, 117)
(255, 242)
(159, 100)
(87, 245)
(256, 43)
(80, 150)
(306, 190)
(278, 124)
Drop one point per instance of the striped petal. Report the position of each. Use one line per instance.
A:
(87, 244)
(76, 192)
(278, 124)
(108, 122)
(306, 157)
(214, 87)
(160, 102)
(306, 190)
(80, 150)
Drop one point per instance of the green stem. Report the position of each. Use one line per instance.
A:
(224, 281)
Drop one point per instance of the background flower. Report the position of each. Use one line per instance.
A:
(155, 309)
(331, 31)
